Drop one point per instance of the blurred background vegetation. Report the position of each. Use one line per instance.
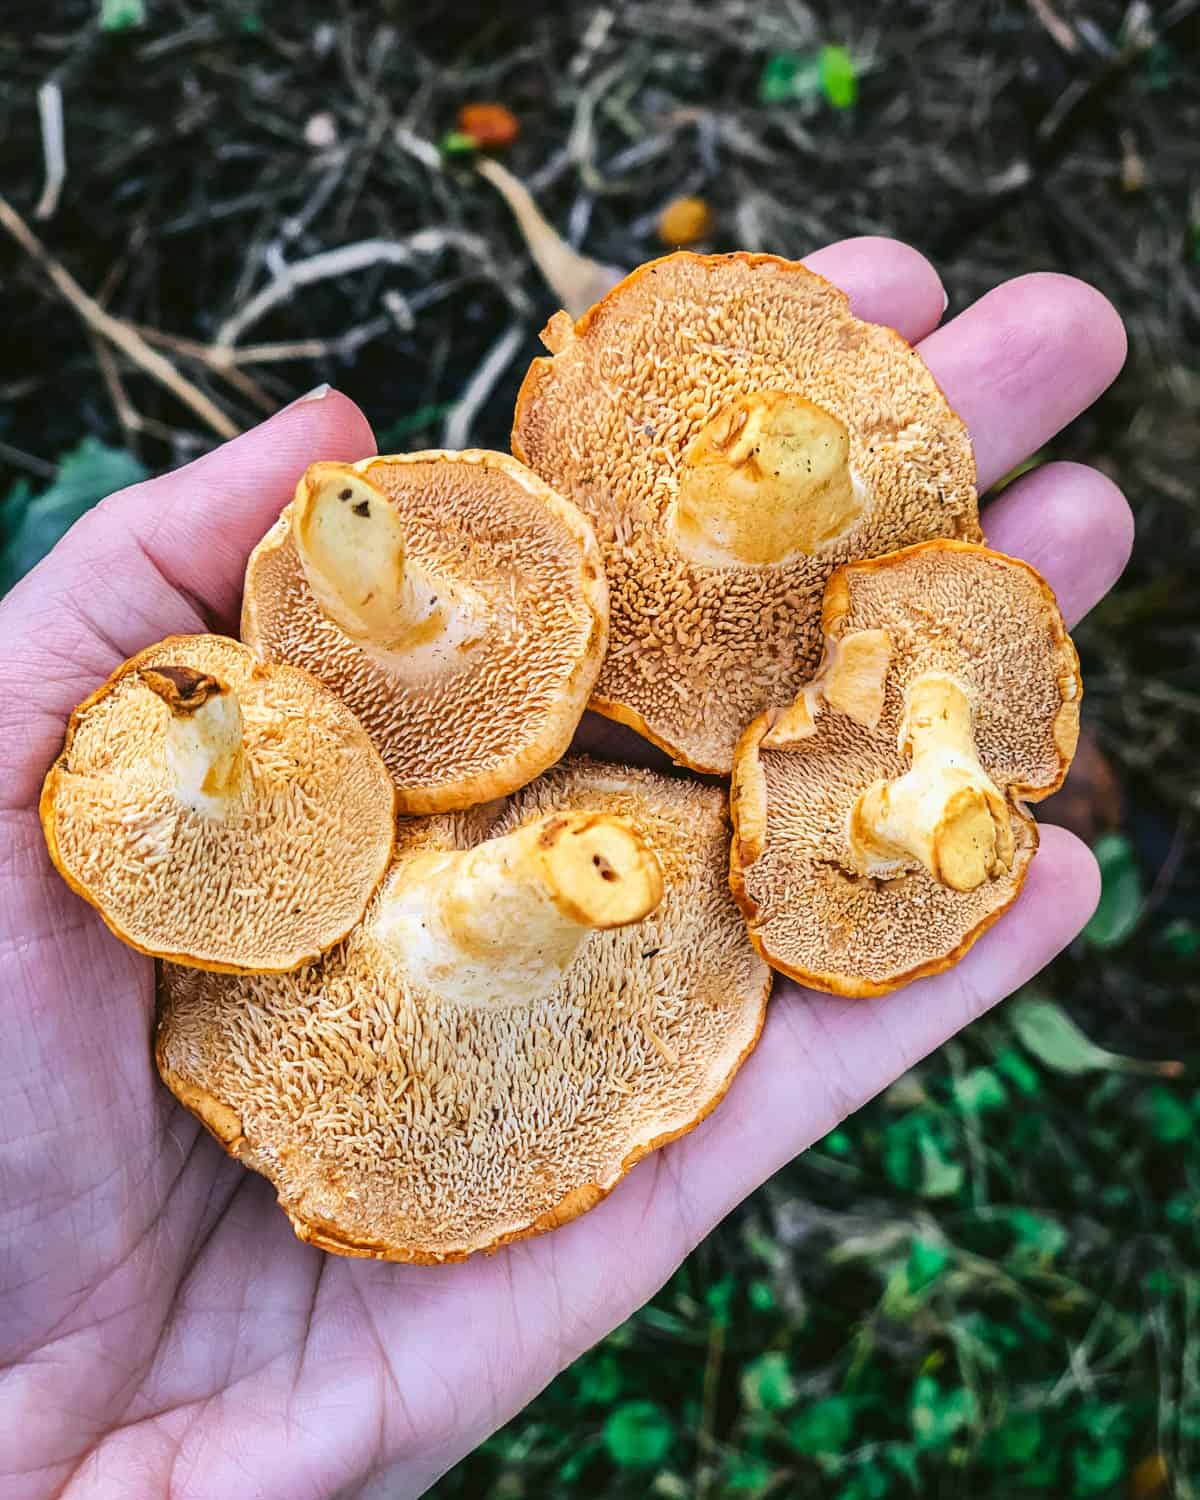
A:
(988, 1282)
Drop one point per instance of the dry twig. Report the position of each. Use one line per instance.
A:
(113, 329)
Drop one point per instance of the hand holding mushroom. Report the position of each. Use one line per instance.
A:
(160, 1319)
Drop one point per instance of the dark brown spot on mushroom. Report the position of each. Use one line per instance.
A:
(606, 870)
(363, 508)
(183, 689)
(549, 835)
(345, 494)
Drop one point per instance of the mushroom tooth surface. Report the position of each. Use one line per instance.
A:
(735, 434)
(403, 1115)
(456, 604)
(876, 848)
(219, 812)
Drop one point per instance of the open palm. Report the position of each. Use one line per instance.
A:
(161, 1331)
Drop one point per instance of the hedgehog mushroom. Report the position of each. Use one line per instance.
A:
(453, 601)
(219, 812)
(735, 434)
(543, 991)
(880, 824)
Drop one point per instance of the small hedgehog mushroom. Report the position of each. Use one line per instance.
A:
(453, 601)
(543, 991)
(880, 823)
(219, 812)
(735, 434)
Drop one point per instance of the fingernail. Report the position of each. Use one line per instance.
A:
(318, 393)
(945, 305)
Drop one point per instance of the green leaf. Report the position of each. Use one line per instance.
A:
(33, 524)
(1014, 1067)
(839, 82)
(418, 420)
(1045, 1029)
(1170, 1119)
(979, 1091)
(926, 1263)
(915, 1159)
(1016, 1443)
(767, 1383)
(936, 1414)
(746, 1474)
(458, 143)
(1120, 892)
(871, 1482)
(941, 1177)
(1036, 1237)
(903, 1458)
(824, 1427)
(1181, 937)
(1097, 1469)
(119, 15)
(760, 1296)
(718, 1298)
(790, 76)
(638, 1433)
(600, 1378)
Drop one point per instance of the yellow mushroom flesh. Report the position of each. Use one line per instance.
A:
(766, 480)
(499, 924)
(851, 679)
(204, 737)
(945, 812)
(351, 545)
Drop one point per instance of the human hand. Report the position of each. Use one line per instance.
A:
(161, 1330)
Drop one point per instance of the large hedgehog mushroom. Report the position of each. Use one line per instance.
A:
(217, 811)
(452, 600)
(542, 992)
(735, 434)
(879, 820)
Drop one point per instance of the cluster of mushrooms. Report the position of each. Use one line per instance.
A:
(739, 520)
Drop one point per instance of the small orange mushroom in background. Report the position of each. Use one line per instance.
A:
(491, 126)
(684, 221)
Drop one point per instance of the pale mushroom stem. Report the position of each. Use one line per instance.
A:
(945, 812)
(204, 748)
(766, 479)
(351, 546)
(501, 923)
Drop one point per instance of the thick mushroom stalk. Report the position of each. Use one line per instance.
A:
(204, 749)
(766, 480)
(351, 546)
(501, 923)
(945, 812)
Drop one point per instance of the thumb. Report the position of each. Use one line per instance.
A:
(161, 557)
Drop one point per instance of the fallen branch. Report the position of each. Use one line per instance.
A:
(115, 330)
(50, 117)
(342, 262)
(479, 387)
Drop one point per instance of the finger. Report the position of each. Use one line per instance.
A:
(1023, 361)
(887, 281)
(1073, 524)
(821, 1056)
